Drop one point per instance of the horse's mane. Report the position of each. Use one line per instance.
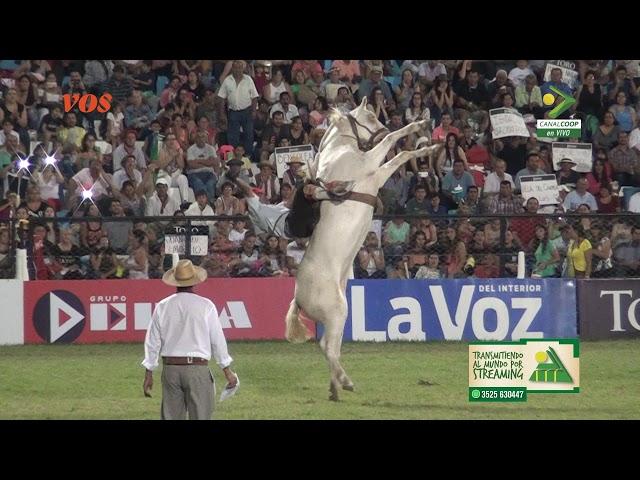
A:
(334, 115)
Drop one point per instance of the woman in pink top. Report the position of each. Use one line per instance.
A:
(597, 177)
(441, 132)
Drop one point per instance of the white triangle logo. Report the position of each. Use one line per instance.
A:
(56, 305)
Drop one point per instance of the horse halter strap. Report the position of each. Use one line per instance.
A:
(369, 144)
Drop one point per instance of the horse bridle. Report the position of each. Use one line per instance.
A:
(363, 146)
(369, 144)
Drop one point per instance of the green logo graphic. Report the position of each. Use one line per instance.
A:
(566, 104)
(552, 127)
(550, 368)
(475, 393)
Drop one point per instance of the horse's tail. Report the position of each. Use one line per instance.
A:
(297, 331)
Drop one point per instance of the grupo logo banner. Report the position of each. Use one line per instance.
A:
(108, 311)
(469, 309)
(609, 308)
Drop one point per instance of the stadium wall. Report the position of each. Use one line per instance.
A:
(108, 311)
(11, 312)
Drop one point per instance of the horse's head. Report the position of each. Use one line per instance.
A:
(363, 125)
(350, 136)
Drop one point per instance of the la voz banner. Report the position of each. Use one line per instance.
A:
(466, 309)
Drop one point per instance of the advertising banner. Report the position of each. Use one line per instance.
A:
(608, 308)
(466, 309)
(108, 311)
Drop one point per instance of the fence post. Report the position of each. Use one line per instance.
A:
(521, 265)
(22, 271)
(503, 236)
(187, 240)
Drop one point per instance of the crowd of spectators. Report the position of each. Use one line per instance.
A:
(179, 131)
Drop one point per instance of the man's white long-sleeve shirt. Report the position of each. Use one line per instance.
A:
(185, 325)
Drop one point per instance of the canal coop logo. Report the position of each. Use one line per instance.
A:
(554, 127)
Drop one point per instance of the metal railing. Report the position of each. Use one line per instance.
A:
(503, 237)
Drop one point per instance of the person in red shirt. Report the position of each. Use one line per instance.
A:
(440, 133)
(525, 227)
(308, 67)
(597, 177)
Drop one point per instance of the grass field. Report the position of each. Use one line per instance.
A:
(284, 381)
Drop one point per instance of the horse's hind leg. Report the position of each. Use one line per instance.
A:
(330, 344)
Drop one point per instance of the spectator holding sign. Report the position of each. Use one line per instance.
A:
(532, 168)
(505, 202)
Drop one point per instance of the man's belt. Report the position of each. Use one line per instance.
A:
(184, 361)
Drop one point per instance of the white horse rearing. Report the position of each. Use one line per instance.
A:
(347, 153)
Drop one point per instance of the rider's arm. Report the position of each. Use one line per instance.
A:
(315, 192)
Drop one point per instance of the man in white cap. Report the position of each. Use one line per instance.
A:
(186, 332)
(160, 204)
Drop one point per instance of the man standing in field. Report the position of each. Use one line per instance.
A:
(185, 331)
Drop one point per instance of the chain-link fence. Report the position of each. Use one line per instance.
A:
(398, 246)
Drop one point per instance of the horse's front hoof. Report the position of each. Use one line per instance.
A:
(349, 387)
(333, 392)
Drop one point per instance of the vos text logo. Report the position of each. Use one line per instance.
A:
(88, 102)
